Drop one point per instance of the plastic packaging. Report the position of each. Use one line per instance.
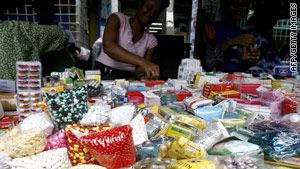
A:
(183, 148)
(139, 131)
(97, 114)
(27, 143)
(122, 115)
(154, 163)
(214, 133)
(68, 106)
(192, 120)
(209, 113)
(292, 117)
(193, 163)
(113, 148)
(289, 106)
(181, 129)
(28, 84)
(277, 139)
(39, 120)
(54, 159)
(247, 162)
(1, 111)
(57, 140)
(234, 148)
(192, 103)
(4, 160)
(155, 147)
(76, 151)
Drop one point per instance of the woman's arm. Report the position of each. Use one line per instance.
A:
(241, 40)
(115, 51)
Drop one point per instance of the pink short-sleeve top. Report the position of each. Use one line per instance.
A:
(125, 37)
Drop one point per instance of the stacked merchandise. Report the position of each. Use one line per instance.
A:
(229, 121)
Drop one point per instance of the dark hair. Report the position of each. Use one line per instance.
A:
(163, 3)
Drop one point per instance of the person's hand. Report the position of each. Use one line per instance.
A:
(243, 40)
(253, 55)
(151, 70)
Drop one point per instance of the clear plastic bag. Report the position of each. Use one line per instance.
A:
(247, 162)
(113, 148)
(193, 163)
(139, 131)
(26, 143)
(278, 139)
(88, 166)
(77, 152)
(54, 159)
(154, 163)
(155, 147)
(97, 114)
(122, 115)
(4, 160)
(39, 120)
(57, 140)
(68, 106)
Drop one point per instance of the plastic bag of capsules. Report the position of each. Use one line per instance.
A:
(28, 82)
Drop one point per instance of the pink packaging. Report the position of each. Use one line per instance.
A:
(276, 106)
(265, 94)
(57, 140)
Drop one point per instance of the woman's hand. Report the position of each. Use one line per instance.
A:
(150, 70)
(253, 55)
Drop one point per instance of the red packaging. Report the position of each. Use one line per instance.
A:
(246, 88)
(77, 152)
(233, 77)
(135, 97)
(181, 95)
(216, 88)
(289, 106)
(153, 83)
(112, 148)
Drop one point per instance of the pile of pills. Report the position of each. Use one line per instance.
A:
(57, 140)
(139, 131)
(39, 120)
(4, 159)
(68, 106)
(27, 143)
(77, 153)
(54, 159)
(112, 148)
(28, 81)
(122, 115)
(236, 163)
(96, 115)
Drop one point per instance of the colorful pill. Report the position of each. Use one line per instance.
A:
(22, 76)
(23, 94)
(35, 99)
(34, 87)
(35, 94)
(36, 110)
(23, 66)
(23, 87)
(24, 100)
(23, 71)
(34, 105)
(34, 71)
(34, 76)
(34, 81)
(34, 66)
(24, 110)
(22, 81)
(24, 105)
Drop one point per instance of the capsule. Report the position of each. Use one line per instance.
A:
(23, 94)
(34, 66)
(23, 66)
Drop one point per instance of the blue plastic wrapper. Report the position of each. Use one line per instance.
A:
(209, 113)
(278, 139)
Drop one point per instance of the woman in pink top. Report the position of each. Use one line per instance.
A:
(127, 46)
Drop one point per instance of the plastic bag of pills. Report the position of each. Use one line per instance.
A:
(39, 120)
(97, 115)
(122, 115)
(88, 166)
(112, 148)
(57, 140)
(54, 159)
(26, 143)
(4, 159)
(68, 106)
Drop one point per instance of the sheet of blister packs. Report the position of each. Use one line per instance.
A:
(28, 81)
